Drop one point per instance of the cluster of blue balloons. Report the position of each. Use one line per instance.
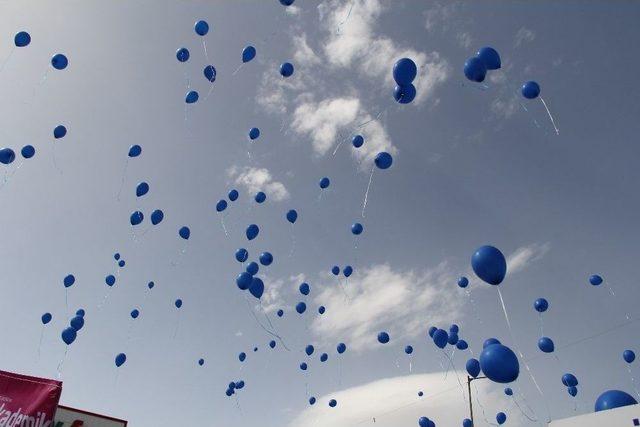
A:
(233, 387)
(571, 382)
(70, 333)
(404, 72)
(476, 67)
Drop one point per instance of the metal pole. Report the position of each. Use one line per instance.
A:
(470, 402)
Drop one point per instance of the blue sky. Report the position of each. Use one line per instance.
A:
(471, 167)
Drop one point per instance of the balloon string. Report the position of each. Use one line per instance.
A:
(533, 420)
(541, 324)
(204, 46)
(223, 226)
(7, 59)
(293, 242)
(613, 295)
(553, 122)
(338, 146)
(104, 299)
(535, 122)
(237, 69)
(53, 157)
(42, 336)
(175, 332)
(517, 347)
(209, 93)
(366, 194)
(66, 350)
(484, 414)
(345, 19)
(273, 334)
(633, 381)
(124, 173)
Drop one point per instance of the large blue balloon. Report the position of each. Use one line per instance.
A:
(7, 156)
(59, 132)
(257, 287)
(69, 335)
(136, 218)
(301, 307)
(69, 280)
(357, 228)
(440, 338)
(499, 363)
(490, 57)
(473, 367)
(501, 417)
(142, 189)
(383, 160)
(252, 231)
(545, 344)
(463, 282)
(221, 205)
(184, 232)
(629, 356)
(286, 69)
(201, 28)
(489, 342)
(383, 337)
(156, 217)
(530, 90)
(475, 69)
(59, 61)
(341, 348)
(192, 97)
(244, 280)
(304, 288)
(489, 264)
(248, 53)
(134, 151)
(357, 141)
(28, 151)
(242, 254)
(22, 39)
(404, 71)
(77, 322)
(595, 280)
(210, 73)
(46, 318)
(614, 399)
(404, 94)
(569, 380)
(120, 359)
(292, 216)
(182, 54)
(541, 305)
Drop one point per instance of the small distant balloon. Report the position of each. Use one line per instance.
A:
(136, 218)
(69, 280)
(408, 349)
(286, 69)
(110, 280)
(28, 151)
(357, 228)
(333, 403)
(595, 280)
(69, 335)
(120, 359)
(383, 337)
(501, 417)
(244, 280)
(463, 282)
(182, 54)
(541, 305)
(7, 156)
(260, 197)
(184, 232)
(341, 348)
(135, 313)
(210, 73)
(46, 318)
(335, 270)
(134, 150)
(248, 53)
(201, 362)
(59, 61)
(253, 268)
(321, 309)
(201, 28)
(252, 231)
(242, 254)
(324, 182)
(545, 344)
(221, 205)
(242, 356)
(347, 271)
(156, 217)
(292, 216)
(178, 303)
(530, 90)
(257, 287)
(490, 57)
(142, 189)
(309, 350)
(22, 39)
(629, 356)
(357, 141)
(192, 97)
(59, 132)
(301, 307)
(254, 133)
(383, 160)
(475, 69)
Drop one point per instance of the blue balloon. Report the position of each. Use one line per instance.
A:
(134, 150)
(312, 400)
(184, 232)
(77, 322)
(440, 338)
(545, 344)
(383, 337)
(335, 270)
(22, 39)
(530, 90)
(69, 280)
(501, 417)
(257, 287)
(462, 345)
(80, 312)
(432, 330)
(341, 348)
(272, 344)
(404, 94)
(244, 280)
(210, 73)
(347, 271)
(240, 385)
(221, 205)
(233, 195)
(324, 357)
(383, 160)
(121, 263)
(490, 57)
(321, 309)
(116, 256)
(489, 264)
(229, 392)
(253, 268)
(110, 280)
(301, 307)
(135, 313)
(489, 342)
(473, 367)
(423, 422)
(324, 182)
(120, 359)
(499, 363)
(467, 423)
(357, 228)
(242, 254)
(242, 356)
(28, 151)
(292, 216)
(150, 285)
(453, 339)
(286, 69)
(304, 289)
(614, 399)
(309, 350)
(7, 156)
(46, 318)
(178, 303)
(357, 141)
(252, 231)
(69, 335)
(569, 380)
(541, 305)
(408, 349)
(254, 133)
(595, 280)
(248, 53)
(573, 391)
(629, 356)
(508, 391)
(59, 61)
(142, 189)
(454, 329)
(192, 97)
(156, 217)
(332, 402)
(286, 2)
(201, 28)
(463, 282)
(404, 71)
(280, 313)
(303, 366)
(182, 54)
(260, 197)
(420, 394)
(59, 132)
(136, 218)
(201, 362)
(475, 69)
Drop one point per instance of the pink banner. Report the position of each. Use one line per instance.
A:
(27, 401)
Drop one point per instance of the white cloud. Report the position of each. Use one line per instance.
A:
(524, 35)
(522, 257)
(394, 402)
(505, 108)
(274, 290)
(403, 303)
(293, 10)
(259, 179)
(464, 40)
(303, 54)
(439, 16)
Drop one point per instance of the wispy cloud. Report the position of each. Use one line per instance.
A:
(522, 257)
(524, 35)
(275, 291)
(259, 179)
(439, 15)
(464, 39)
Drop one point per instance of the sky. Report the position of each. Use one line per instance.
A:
(473, 165)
